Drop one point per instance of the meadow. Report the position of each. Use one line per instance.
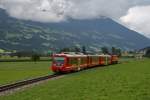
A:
(125, 81)
(17, 71)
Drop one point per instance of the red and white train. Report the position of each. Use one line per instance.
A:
(75, 62)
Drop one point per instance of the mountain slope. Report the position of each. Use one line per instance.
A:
(27, 35)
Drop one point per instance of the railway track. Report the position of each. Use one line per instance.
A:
(26, 82)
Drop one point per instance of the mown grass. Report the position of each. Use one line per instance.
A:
(127, 81)
(17, 71)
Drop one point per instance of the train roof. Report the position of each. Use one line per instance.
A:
(77, 55)
(69, 55)
(105, 55)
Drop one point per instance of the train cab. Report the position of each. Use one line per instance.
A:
(58, 62)
(68, 63)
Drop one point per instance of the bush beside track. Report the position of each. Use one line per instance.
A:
(126, 81)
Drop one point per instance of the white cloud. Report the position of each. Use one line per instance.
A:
(138, 19)
(36, 10)
(60, 10)
(57, 10)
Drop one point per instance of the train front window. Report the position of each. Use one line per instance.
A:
(59, 60)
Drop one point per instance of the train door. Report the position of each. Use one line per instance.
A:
(79, 64)
(106, 60)
(102, 60)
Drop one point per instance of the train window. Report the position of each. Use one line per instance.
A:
(95, 59)
(82, 60)
(59, 60)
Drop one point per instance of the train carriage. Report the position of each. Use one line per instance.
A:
(93, 60)
(77, 62)
(104, 60)
(68, 63)
(114, 59)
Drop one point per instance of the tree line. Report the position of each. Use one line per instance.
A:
(148, 53)
(102, 50)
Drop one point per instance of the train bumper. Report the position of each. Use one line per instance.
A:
(61, 69)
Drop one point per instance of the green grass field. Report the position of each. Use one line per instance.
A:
(17, 71)
(127, 81)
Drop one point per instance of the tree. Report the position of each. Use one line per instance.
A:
(116, 51)
(18, 54)
(65, 50)
(147, 53)
(84, 50)
(35, 57)
(105, 50)
(49, 53)
(77, 49)
(113, 50)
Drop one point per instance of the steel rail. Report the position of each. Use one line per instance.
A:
(26, 82)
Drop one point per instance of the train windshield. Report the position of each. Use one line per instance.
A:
(59, 60)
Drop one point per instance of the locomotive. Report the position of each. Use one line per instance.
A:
(64, 63)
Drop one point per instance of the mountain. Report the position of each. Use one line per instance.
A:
(18, 34)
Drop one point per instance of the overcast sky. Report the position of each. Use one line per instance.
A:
(135, 14)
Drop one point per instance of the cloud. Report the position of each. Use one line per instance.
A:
(36, 10)
(61, 10)
(138, 19)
